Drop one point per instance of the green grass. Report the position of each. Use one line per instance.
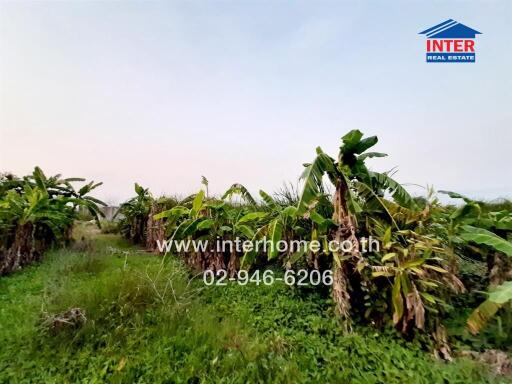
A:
(148, 322)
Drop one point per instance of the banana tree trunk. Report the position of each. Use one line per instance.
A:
(346, 231)
(340, 293)
(155, 228)
(138, 229)
(499, 268)
(22, 251)
(499, 265)
(233, 264)
(214, 260)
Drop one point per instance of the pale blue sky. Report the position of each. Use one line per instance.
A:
(164, 92)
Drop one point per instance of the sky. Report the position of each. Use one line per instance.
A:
(161, 93)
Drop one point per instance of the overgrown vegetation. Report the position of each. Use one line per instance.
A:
(412, 282)
(134, 317)
(234, 334)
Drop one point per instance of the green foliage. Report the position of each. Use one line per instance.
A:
(476, 223)
(239, 189)
(233, 334)
(502, 294)
(40, 200)
(109, 227)
(485, 237)
(498, 297)
(411, 282)
(134, 215)
(149, 320)
(398, 193)
(37, 212)
(313, 180)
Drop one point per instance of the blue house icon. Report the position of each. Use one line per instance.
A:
(450, 29)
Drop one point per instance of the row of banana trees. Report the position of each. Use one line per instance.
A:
(408, 282)
(37, 212)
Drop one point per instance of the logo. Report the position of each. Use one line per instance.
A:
(450, 42)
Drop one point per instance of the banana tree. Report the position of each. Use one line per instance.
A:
(492, 232)
(134, 215)
(212, 221)
(500, 293)
(182, 221)
(468, 224)
(239, 225)
(36, 220)
(231, 225)
(347, 173)
(239, 190)
(35, 212)
(280, 224)
(414, 268)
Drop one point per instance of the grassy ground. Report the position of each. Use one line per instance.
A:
(149, 322)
